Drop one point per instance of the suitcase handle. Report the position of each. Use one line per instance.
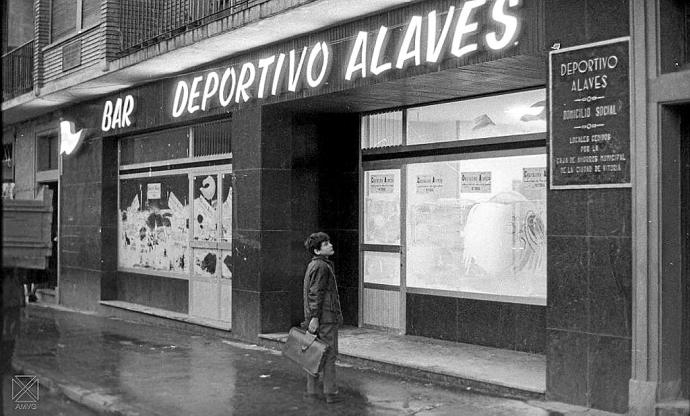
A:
(306, 347)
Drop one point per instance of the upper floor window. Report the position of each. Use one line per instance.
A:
(47, 152)
(72, 16)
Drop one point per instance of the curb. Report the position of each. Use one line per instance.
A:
(97, 401)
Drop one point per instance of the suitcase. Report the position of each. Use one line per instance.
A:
(306, 350)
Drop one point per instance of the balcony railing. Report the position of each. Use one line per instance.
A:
(145, 22)
(17, 71)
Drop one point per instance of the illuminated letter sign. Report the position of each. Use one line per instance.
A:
(460, 34)
(116, 115)
(308, 67)
(472, 26)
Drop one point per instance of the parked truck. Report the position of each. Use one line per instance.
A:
(26, 245)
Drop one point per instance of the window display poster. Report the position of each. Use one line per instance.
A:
(205, 262)
(205, 207)
(382, 207)
(534, 178)
(475, 182)
(226, 209)
(381, 183)
(429, 184)
(153, 191)
(153, 232)
(226, 264)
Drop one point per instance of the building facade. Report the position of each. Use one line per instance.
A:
(502, 173)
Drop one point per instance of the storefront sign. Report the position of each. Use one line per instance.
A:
(117, 114)
(456, 32)
(475, 182)
(427, 184)
(310, 66)
(381, 184)
(590, 115)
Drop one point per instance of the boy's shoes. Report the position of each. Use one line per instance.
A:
(311, 396)
(334, 398)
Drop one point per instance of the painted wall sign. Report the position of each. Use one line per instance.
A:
(589, 87)
(475, 182)
(117, 113)
(381, 184)
(472, 26)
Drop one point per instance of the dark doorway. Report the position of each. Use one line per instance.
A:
(50, 278)
(685, 243)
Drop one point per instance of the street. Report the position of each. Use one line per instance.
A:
(121, 367)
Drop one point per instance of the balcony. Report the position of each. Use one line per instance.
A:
(146, 22)
(17, 71)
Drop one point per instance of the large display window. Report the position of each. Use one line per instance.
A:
(478, 226)
(469, 221)
(176, 220)
(154, 223)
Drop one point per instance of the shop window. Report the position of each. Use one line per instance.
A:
(206, 208)
(382, 130)
(175, 207)
(382, 207)
(47, 152)
(72, 16)
(467, 221)
(163, 145)
(382, 268)
(498, 115)
(154, 223)
(478, 226)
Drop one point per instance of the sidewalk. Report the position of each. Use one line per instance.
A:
(125, 368)
(499, 372)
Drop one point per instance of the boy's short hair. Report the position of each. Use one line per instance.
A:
(315, 240)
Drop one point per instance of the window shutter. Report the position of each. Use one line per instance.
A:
(63, 18)
(90, 12)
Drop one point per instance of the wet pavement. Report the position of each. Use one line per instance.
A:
(48, 404)
(150, 370)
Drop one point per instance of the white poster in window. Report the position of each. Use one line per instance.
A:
(429, 184)
(153, 191)
(381, 184)
(475, 182)
(534, 178)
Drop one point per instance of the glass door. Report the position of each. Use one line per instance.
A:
(210, 286)
(382, 290)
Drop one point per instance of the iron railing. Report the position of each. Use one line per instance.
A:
(17, 71)
(146, 22)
